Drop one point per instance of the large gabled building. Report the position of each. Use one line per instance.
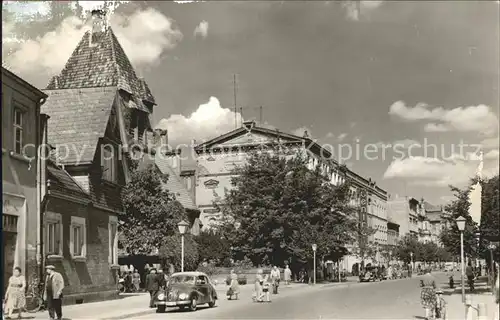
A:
(217, 158)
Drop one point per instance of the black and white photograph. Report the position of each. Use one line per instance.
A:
(219, 159)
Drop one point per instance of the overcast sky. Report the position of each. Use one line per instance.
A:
(395, 72)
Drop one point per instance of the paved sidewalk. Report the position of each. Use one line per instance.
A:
(456, 308)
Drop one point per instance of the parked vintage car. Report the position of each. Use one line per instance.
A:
(186, 290)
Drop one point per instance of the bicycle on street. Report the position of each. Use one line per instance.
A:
(34, 296)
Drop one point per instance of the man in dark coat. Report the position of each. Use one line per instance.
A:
(152, 285)
(54, 285)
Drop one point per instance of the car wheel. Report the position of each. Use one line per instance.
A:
(193, 305)
(211, 303)
(161, 309)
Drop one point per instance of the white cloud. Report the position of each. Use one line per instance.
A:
(208, 121)
(202, 29)
(456, 170)
(490, 143)
(355, 10)
(342, 136)
(145, 35)
(480, 118)
(492, 155)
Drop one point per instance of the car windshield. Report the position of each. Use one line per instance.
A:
(182, 279)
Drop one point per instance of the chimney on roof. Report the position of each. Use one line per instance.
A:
(99, 23)
(161, 139)
(306, 135)
(249, 125)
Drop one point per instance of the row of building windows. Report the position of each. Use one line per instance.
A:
(54, 239)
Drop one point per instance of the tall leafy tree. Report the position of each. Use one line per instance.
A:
(450, 237)
(281, 208)
(408, 246)
(490, 220)
(151, 212)
(212, 246)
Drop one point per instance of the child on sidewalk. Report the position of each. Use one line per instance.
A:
(265, 288)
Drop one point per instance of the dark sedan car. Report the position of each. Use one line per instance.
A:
(187, 290)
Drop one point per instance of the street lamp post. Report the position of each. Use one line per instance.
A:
(411, 261)
(314, 247)
(183, 226)
(461, 227)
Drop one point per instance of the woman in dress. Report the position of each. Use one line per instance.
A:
(15, 294)
(234, 287)
(428, 295)
(288, 275)
(259, 281)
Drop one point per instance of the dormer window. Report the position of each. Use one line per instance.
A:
(109, 163)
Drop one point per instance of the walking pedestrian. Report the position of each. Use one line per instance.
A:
(497, 298)
(288, 275)
(152, 285)
(275, 279)
(469, 272)
(162, 279)
(234, 287)
(15, 294)
(259, 281)
(136, 280)
(428, 297)
(265, 288)
(53, 292)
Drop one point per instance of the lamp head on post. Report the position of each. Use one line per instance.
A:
(461, 223)
(183, 226)
(314, 247)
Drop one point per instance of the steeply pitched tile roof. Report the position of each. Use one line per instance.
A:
(175, 184)
(78, 118)
(102, 64)
(435, 216)
(430, 207)
(62, 182)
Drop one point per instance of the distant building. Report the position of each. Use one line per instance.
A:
(431, 222)
(21, 121)
(404, 212)
(218, 157)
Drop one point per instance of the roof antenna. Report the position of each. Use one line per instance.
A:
(234, 90)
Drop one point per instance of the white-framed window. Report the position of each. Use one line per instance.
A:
(109, 163)
(18, 129)
(113, 240)
(78, 237)
(53, 234)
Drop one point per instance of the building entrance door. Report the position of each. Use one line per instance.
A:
(9, 239)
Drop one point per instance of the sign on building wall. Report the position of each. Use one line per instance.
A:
(211, 184)
(211, 211)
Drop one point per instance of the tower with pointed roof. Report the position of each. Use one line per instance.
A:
(99, 108)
